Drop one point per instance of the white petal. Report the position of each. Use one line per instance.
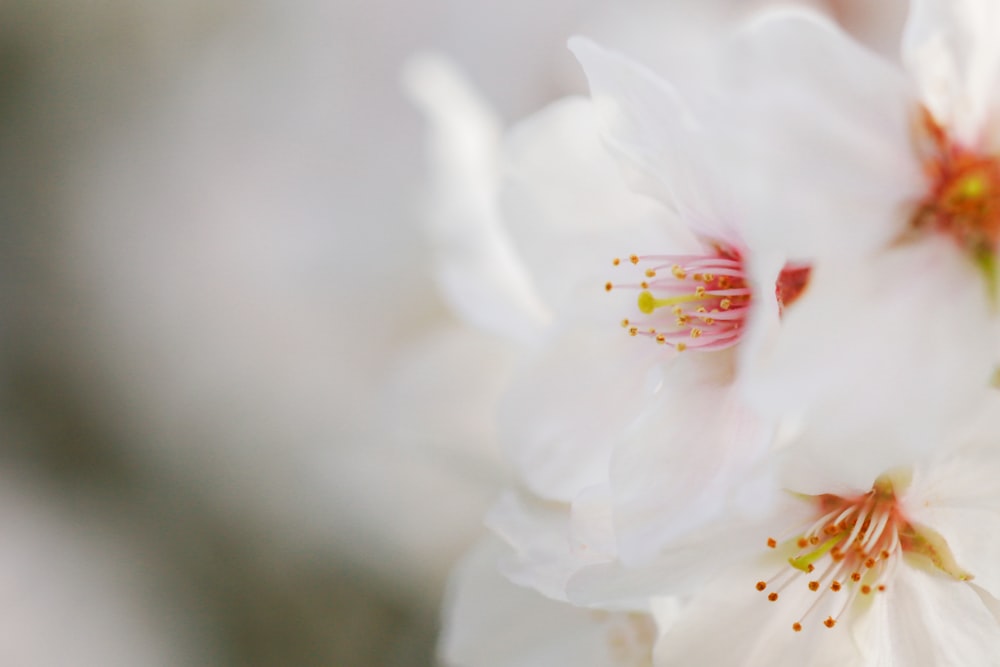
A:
(730, 623)
(567, 207)
(823, 164)
(757, 512)
(566, 410)
(676, 468)
(665, 150)
(958, 497)
(478, 269)
(951, 49)
(490, 622)
(925, 618)
(544, 553)
(845, 357)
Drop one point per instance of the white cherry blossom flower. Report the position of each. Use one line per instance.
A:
(886, 177)
(902, 571)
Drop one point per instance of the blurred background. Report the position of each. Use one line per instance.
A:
(216, 301)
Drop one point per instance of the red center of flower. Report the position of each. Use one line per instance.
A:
(853, 547)
(963, 199)
(700, 301)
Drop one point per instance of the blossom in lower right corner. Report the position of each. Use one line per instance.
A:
(904, 572)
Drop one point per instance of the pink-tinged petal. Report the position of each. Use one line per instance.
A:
(565, 411)
(665, 150)
(490, 622)
(823, 164)
(730, 624)
(952, 51)
(477, 266)
(675, 469)
(567, 207)
(848, 350)
(927, 618)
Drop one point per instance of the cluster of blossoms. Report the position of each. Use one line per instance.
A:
(790, 455)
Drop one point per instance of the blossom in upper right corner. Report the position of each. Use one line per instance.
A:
(887, 177)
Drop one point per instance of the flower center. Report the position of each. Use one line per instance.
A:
(963, 199)
(699, 301)
(853, 548)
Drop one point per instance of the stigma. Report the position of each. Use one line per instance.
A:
(852, 550)
(963, 195)
(699, 302)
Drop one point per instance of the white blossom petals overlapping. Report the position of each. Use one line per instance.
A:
(854, 431)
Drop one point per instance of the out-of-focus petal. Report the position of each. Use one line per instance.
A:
(478, 269)
(490, 622)
(952, 51)
(822, 161)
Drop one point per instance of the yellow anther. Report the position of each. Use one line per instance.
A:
(681, 347)
(608, 286)
(700, 292)
(625, 323)
(650, 273)
(634, 259)
(616, 261)
(678, 272)
(633, 331)
(725, 304)
(661, 339)
(695, 333)
(972, 186)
